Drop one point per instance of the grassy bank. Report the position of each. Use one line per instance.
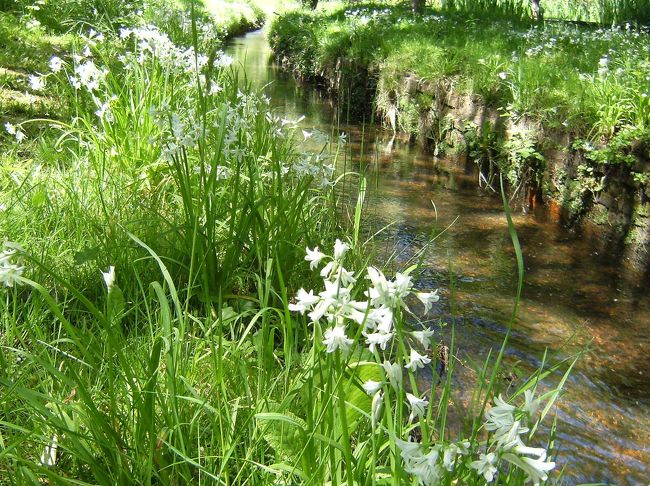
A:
(562, 86)
(32, 32)
(588, 79)
(159, 227)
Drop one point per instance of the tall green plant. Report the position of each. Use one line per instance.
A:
(510, 9)
(624, 11)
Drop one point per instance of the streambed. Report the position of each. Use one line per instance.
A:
(574, 294)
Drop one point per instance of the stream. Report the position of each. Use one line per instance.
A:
(575, 296)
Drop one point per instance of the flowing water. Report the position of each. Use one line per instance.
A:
(575, 296)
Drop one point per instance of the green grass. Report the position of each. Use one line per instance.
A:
(585, 81)
(549, 71)
(23, 51)
(152, 318)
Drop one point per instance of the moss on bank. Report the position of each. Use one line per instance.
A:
(561, 109)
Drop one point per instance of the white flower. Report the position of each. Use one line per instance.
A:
(423, 337)
(9, 272)
(327, 269)
(538, 452)
(6, 256)
(380, 292)
(502, 75)
(371, 387)
(320, 310)
(48, 457)
(88, 75)
(500, 417)
(346, 278)
(339, 249)
(223, 60)
(416, 360)
(428, 298)
(109, 278)
(75, 82)
(376, 408)
(56, 64)
(410, 451)
(530, 404)
(451, 452)
(387, 293)
(335, 294)
(394, 374)
(222, 172)
(418, 405)
(20, 136)
(314, 257)
(214, 88)
(402, 284)
(37, 83)
(304, 301)
(104, 108)
(378, 339)
(335, 338)
(509, 438)
(426, 468)
(355, 311)
(10, 128)
(535, 469)
(382, 318)
(32, 24)
(485, 466)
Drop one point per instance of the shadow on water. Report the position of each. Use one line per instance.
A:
(575, 295)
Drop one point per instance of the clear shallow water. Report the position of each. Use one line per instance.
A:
(574, 294)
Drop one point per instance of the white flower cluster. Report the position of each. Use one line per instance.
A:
(182, 129)
(169, 15)
(376, 320)
(385, 17)
(15, 131)
(317, 166)
(9, 271)
(375, 315)
(152, 43)
(429, 465)
(507, 423)
(87, 75)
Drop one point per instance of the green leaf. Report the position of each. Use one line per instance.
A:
(39, 198)
(86, 255)
(284, 432)
(356, 398)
